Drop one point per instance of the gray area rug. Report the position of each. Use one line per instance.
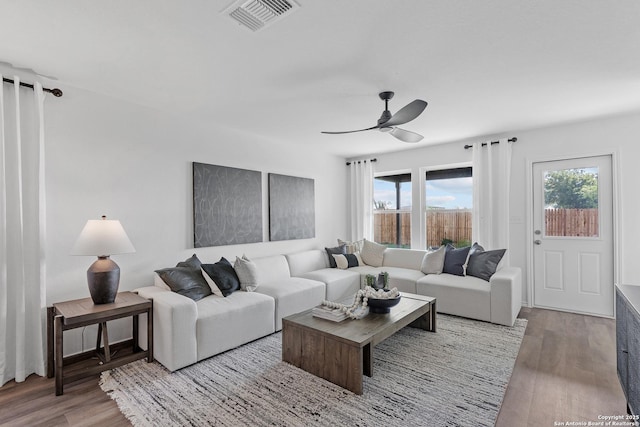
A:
(455, 377)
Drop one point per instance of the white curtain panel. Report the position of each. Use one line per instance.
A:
(361, 200)
(491, 186)
(22, 217)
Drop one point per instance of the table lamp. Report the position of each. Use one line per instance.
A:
(102, 238)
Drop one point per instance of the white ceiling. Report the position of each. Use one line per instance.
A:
(485, 67)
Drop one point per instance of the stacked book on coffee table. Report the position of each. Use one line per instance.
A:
(333, 314)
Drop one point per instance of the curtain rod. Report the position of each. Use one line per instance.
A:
(514, 139)
(55, 92)
(359, 161)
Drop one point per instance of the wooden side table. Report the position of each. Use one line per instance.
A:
(67, 315)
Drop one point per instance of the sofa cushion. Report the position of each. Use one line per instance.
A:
(372, 253)
(185, 281)
(340, 249)
(224, 277)
(483, 264)
(247, 272)
(433, 261)
(226, 323)
(272, 268)
(292, 296)
(403, 278)
(455, 260)
(340, 284)
(459, 295)
(404, 258)
(305, 261)
(363, 270)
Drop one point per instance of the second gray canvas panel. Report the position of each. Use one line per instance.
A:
(291, 208)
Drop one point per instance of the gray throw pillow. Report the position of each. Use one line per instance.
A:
(433, 262)
(483, 264)
(192, 262)
(455, 259)
(185, 281)
(474, 248)
(247, 272)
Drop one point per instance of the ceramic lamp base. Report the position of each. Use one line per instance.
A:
(103, 277)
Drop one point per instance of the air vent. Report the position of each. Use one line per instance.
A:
(258, 14)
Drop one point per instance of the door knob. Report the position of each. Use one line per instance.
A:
(537, 242)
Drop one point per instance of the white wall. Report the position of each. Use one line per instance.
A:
(132, 163)
(619, 135)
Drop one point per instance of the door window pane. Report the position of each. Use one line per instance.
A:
(392, 210)
(449, 195)
(571, 202)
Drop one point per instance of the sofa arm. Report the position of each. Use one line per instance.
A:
(174, 327)
(506, 295)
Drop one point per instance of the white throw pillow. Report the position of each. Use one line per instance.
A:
(372, 253)
(247, 272)
(214, 288)
(347, 261)
(433, 262)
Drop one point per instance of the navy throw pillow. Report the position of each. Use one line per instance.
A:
(338, 250)
(455, 259)
(223, 274)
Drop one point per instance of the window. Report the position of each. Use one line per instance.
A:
(392, 210)
(449, 196)
(571, 202)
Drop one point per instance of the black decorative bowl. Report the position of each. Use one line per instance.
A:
(382, 306)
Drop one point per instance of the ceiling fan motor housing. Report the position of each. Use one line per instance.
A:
(386, 115)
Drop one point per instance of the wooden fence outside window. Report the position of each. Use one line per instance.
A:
(455, 225)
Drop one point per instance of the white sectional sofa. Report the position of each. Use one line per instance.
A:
(187, 331)
(497, 301)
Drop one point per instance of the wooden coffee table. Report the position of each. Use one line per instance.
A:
(342, 352)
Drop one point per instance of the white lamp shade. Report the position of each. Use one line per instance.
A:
(102, 237)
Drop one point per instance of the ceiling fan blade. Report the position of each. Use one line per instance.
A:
(406, 113)
(405, 135)
(350, 131)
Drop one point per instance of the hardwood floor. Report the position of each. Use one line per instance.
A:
(565, 371)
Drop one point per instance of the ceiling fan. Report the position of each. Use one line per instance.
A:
(388, 122)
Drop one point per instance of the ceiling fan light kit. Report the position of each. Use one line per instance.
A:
(388, 122)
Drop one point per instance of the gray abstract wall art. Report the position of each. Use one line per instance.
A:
(291, 208)
(227, 205)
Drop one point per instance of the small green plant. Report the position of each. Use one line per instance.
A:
(463, 243)
(446, 241)
(370, 279)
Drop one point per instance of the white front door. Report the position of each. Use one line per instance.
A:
(573, 235)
